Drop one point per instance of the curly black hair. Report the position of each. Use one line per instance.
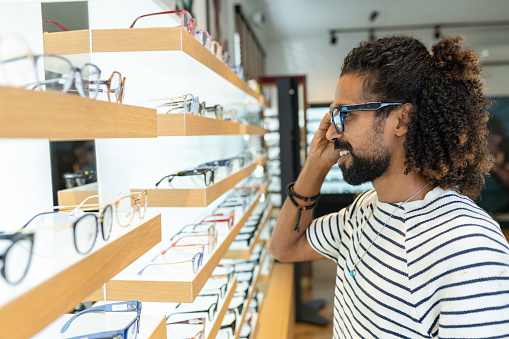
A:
(446, 139)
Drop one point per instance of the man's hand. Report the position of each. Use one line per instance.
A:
(321, 150)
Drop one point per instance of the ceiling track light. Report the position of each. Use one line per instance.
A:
(372, 34)
(333, 38)
(438, 33)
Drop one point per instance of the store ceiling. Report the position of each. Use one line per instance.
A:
(301, 19)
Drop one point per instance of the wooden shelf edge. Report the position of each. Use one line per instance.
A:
(276, 320)
(73, 196)
(68, 288)
(220, 316)
(160, 331)
(195, 197)
(66, 43)
(32, 114)
(172, 291)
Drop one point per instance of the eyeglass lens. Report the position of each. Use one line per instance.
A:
(16, 260)
(85, 233)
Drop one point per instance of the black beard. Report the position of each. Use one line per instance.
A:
(366, 169)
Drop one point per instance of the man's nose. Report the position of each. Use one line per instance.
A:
(333, 134)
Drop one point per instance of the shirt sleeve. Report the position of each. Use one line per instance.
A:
(324, 234)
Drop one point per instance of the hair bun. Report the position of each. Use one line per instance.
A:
(455, 61)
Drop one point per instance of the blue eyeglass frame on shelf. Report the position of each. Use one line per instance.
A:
(340, 110)
(126, 306)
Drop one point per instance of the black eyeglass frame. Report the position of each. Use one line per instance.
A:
(15, 237)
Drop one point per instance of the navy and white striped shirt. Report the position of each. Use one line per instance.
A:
(439, 268)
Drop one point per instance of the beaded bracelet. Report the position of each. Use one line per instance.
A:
(291, 194)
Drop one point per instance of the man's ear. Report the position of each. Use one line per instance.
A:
(403, 119)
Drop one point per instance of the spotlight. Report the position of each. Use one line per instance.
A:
(333, 38)
(438, 34)
(373, 16)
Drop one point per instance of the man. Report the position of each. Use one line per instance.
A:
(416, 258)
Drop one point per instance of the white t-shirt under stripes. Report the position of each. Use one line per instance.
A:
(439, 268)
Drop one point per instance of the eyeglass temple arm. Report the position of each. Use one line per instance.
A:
(35, 216)
(145, 15)
(126, 306)
(170, 176)
(194, 321)
(55, 23)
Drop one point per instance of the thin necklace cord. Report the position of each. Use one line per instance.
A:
(352, 271)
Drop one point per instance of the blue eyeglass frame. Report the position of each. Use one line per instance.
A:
(126, 306)
(340, 110)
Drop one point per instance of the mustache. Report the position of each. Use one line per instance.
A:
(338, 145)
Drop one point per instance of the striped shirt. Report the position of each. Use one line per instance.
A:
(438, 269)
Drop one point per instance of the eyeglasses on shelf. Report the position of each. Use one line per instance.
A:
(204, 38)
(130, 331)
(16, 257)
(114, 85)
(207, 173)
(126, 207)
(229, 323)
(211, 310)
(196, 261)
(61, 76)
(85, 227)
(192, 325)
(180, 242)
(187, 22)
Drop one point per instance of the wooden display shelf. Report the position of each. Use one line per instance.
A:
(262, 161)
(122, 288)
(246, 253)
(253, 130)
(70, 42)
(195, 197)
(182, 124)
(166, 39)
(56, 116)
(278, 317)
(146, 40)
(75, 195)
(65, 290)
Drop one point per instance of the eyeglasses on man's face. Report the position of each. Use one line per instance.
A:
(339, 112)
(130, 331)
(16, 258)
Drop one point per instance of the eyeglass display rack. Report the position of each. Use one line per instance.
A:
(195, 197)
(128, 286)
(146, 39)
(246, 253)
(250, 297)
(63, 290)
(33, 114)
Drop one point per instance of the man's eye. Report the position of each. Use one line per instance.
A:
(346, 115)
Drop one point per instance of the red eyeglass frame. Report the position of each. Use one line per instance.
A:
(192, 22)
(55, 23)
